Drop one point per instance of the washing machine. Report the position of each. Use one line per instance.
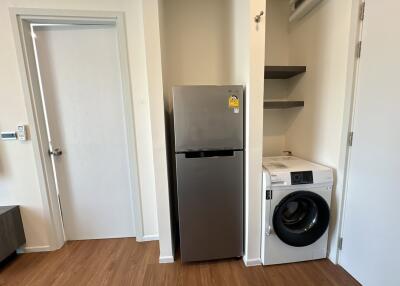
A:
(296, 210)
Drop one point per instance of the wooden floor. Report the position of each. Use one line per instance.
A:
(126, 262)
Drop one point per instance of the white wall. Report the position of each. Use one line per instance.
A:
(277, 33)
(276, 122)
(254, 123)
(321, 41)
(196, 51)
(18, 178)
(155, 88)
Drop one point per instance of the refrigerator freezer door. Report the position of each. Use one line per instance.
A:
(210, 205)
(208, 117)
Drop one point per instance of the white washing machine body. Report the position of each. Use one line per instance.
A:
(296, 200)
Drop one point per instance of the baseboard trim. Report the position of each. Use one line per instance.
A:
(251, 262)
(333, 259)
(31, 249)
(150, 237)
(166, 259)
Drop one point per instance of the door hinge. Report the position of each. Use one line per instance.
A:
(340, 243)
(268, 195)
(268, 232)
(362, 11)
(358, 49)
(350, 139)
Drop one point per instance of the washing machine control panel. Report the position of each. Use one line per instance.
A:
(302, 178)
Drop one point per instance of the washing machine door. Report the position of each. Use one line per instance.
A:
(301, 218)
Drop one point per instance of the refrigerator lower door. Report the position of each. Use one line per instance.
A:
(210, 204)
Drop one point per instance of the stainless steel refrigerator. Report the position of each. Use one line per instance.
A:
(208, 137)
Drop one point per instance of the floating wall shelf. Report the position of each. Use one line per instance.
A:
(282, 104)
(283, 72)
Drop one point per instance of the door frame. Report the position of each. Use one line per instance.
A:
(356, 26)
(21, 19)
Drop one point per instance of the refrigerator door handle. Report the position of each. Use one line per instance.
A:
(208, 154)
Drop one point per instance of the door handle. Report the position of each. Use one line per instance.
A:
(55, 152)
(209, 154)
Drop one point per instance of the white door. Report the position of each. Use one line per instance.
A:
(371, 230)
(82, 94)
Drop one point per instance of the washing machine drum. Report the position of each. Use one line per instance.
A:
(301, 218)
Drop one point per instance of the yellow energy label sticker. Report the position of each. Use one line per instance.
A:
(234, 101)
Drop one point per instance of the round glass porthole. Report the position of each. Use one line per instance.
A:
(301, 218)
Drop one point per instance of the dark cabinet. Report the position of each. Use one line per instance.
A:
(12, 233)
